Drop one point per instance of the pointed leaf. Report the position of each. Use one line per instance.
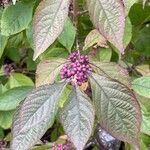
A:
(78, 118)
(109, 18)
(93, 38)
(142, 86)
(112, 70)
(35, 115)
(116, 108)
(128, 4)
(16, 18)
(67, 37)
(48, 23)
(10, 99)
(48, 70)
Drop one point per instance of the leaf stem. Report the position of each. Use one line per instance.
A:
(75, 21)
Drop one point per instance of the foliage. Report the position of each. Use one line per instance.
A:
(68, 66)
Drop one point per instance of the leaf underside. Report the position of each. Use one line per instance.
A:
(35, 115)
(112, 70)
(48, 23)
(109, 18)
(117, 109)
(48, 70)
(77, 118)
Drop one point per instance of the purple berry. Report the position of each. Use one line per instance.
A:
(77, 70)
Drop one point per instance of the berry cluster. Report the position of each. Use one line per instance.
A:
(4, 2)
(8, 68)
(66, 146)
(78, 70)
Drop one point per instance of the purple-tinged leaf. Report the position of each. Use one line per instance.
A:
(48, 70)
(48, 23)
(117, 109)
(112, 70)
(108, 17)
(35, 115)
(77, 118)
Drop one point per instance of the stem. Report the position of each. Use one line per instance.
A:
(75, 13)
(75, 21)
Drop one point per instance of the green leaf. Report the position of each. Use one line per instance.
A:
(142, 86)
(105, 54)
(6, 118)
(54, 52)
(16, 18)
(141, 14)
(128, 32)
(29, 34)
(31, 65)
(10, 99)
(48, 23)
(117, 109)
(2, 133)
(141, 41)
(77, 118)
(13, 54)
(15, 40)
(44, 147)
(2, 89)
(145, 106)
(18, 79)
(128, 4)
(64, 96)
(3, 42)
(35, 115)
(67, 37)
(109, 18)
(112, 70)
(48, 70)
(94, 38)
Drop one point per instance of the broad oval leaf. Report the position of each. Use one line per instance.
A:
(10, 99)
(77, 118)
(142, 86)
(117, 109)
(48, 23)
(48, 70)
(3, 42)
(112, 70)
(19, 79)
(109, 18)
(35, 115)
(16, 18)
